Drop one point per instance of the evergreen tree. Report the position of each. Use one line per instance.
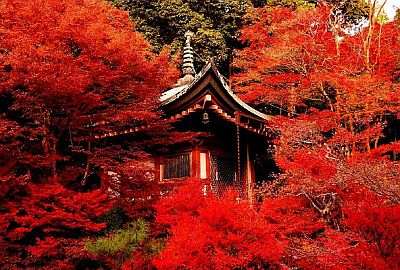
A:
(216, 25)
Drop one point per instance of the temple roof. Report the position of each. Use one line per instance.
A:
(178, 93)
(206, 90)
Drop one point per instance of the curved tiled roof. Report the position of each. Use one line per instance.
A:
(174, 94)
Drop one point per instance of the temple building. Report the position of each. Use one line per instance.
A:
(234, 151)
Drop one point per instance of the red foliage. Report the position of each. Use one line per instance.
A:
(69, 70)
(211, 233)
(377, 222)
(47, 247)
(335, 97)
(302, 66)
(72, 70)
(223, 233)
(291, 215)
(310, 164)
(47, 223)
(77, 54)
(136, 262)
(336, 251)
(378, 225)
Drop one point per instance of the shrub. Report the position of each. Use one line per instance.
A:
(123, 241)
(211, 233)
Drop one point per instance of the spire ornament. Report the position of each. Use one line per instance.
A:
(188, 70)
(188, 66)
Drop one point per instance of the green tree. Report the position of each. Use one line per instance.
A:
(344, 13)
(291, 3)
(216, 25)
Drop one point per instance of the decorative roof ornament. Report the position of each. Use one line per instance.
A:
(188, 70)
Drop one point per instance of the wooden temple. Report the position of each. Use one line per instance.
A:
(234, 151)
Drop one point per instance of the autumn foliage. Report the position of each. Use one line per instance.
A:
(72, 71)
(337, 143)
(206, 232)
(69, 70)
(43, 224)
(209, 233)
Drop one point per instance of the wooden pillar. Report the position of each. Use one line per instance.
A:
(208, 165)
(249, 176)
(239, 174)
(157, 169)
(195, 173)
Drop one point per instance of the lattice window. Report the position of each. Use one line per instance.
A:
(223, 173)
(177, 167)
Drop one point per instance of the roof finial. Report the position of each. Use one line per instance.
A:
(188, 70)
(188, 66)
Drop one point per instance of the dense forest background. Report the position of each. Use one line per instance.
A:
(73, 70)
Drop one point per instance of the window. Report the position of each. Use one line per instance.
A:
(176, 167)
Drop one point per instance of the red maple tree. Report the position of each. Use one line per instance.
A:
(335, 95)
(70, 70)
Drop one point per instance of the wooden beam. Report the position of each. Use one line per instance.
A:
(214, 107)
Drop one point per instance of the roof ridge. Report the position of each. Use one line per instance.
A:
(174, 93)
